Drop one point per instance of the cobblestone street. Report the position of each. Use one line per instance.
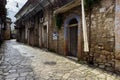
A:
(21, 62)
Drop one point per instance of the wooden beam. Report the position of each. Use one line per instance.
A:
(73, 25)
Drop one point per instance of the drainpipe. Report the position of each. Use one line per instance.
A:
(85, 37)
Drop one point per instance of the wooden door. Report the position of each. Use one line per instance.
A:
(45, 36)
(73, 39)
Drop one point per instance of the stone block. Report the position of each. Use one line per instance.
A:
(104, 52)
(23, 74)
(15, 75)
(21, 78)
(108, 64)
(109, 58)
(117, 56)
(103, 58)
(109, 20)
(95, 64)
(117, 65)
(12, 71)
(110, 68)
(101, 66)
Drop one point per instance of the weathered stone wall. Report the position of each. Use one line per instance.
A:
(52, 44)
(102, 36)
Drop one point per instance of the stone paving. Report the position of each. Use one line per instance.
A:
(22, 62)
(14, 66)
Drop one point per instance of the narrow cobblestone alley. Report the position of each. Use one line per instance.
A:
(21, 62)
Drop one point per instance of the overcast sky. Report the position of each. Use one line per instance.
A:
(12, 9)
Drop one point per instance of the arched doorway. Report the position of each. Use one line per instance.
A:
(72, 36)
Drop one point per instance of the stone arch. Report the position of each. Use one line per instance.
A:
(68, 19)
(66, 23)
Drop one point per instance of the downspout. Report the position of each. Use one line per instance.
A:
(85, 36)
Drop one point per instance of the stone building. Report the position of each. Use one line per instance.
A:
(7, 31)
(57, 26)
(2, 19)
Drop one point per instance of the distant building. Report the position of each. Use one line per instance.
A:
(13, 34)
(7, 31)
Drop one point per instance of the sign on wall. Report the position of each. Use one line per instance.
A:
(55, 35)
